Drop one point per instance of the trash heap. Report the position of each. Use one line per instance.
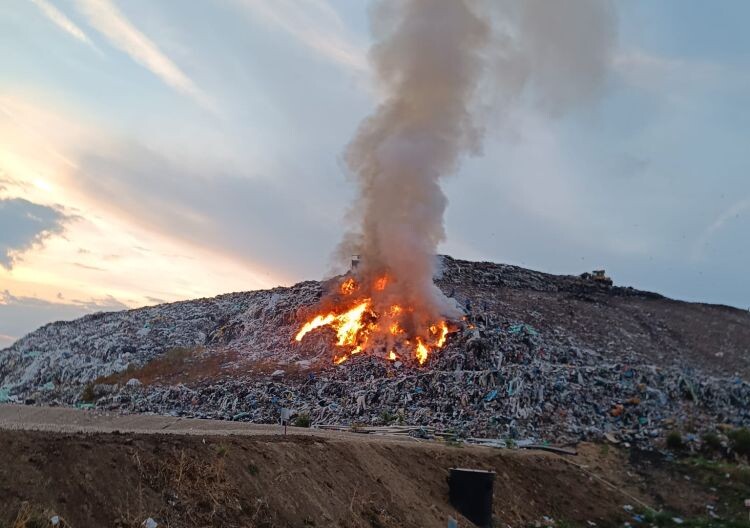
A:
(492, 381)
(538, 358)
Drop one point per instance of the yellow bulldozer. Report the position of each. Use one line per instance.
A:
(598, 276)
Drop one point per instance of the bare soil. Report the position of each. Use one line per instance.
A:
(120, 479)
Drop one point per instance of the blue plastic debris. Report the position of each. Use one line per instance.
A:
(518, 328)
(491, 395)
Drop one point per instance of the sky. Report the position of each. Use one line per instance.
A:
(154, 151)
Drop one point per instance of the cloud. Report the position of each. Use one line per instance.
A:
(19, 315)
(110, 22)
(6, 341)
(155, 300)
(315, 24)
(101, 304)
(654, 72)
(87, 267)
(267, 222)
(63, 22)
(23, 225)
(730, 213)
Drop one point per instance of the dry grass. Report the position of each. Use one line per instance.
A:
(36, 517)
(196, 489)
(178, 364)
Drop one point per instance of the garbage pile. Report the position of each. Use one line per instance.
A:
(537, 358)
(493, 380)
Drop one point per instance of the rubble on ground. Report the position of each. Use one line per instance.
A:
(508, 386)
(538, 358)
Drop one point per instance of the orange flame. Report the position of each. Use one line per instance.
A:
(350, 323)
(441, 328)
(356, 326)
(347, 324)
(422, 351)
(348, 286)
(320, 320)
(381, 283)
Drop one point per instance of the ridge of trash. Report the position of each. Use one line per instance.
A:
(539, 358)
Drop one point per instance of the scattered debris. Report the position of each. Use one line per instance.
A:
(150, 523)
(508, 373)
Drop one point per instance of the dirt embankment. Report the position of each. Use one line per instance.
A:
(100, 479)
(117, 479)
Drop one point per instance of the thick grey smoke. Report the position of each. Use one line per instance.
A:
(442, 67)
(552, 54)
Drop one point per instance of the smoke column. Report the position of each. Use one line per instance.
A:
(442, 67)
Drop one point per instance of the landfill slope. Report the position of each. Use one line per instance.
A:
(539, 357)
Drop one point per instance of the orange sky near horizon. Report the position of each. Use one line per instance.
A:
(100, 253)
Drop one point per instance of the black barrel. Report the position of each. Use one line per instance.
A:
(470, 492)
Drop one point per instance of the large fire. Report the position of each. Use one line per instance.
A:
(360, 326)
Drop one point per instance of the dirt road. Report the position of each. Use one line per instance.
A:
(69, 420)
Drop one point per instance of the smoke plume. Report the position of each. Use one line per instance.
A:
(443, 67)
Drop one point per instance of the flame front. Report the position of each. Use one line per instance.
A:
(359, 327)
(347, 325)
(348, 286)
(350, 324)
(315, 323)
(422, 351)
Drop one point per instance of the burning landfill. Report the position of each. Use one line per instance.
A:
(390, 307)
(447, 346)
(370, 322)
(539, 358)
(432, 60)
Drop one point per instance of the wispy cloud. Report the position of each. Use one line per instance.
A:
(651, 71)
(731, 212)
(20, 314)
(6, 341)
(63, 22)
(110, 22)
(315, 24)
(44, 128)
